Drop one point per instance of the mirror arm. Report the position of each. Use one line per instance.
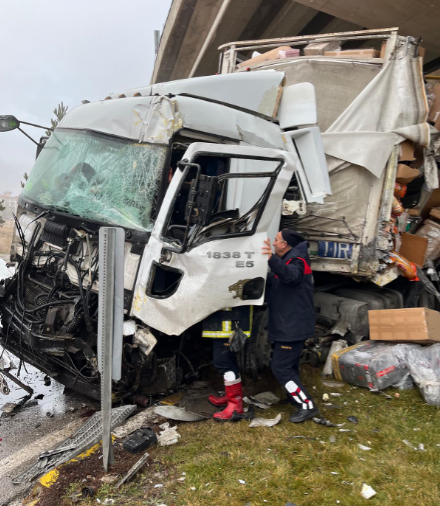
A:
(38, 126)
(29, 137)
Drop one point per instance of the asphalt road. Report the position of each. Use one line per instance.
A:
(35, 426)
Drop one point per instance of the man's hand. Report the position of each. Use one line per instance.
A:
(267, 249)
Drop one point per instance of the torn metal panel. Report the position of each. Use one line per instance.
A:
(259, 93)
(156, 119)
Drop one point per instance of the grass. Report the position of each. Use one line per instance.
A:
(278, 468)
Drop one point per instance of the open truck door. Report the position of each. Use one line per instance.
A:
(204, 253)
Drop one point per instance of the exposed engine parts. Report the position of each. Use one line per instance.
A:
(50, 312)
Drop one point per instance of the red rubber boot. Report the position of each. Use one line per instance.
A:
(234, 395)
(218, 401)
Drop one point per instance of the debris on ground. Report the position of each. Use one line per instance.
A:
(327, 371)
(332, 439)
(368, 492)
(142, 419)
(363, 447)
(178, 414)
(137, 466)
(168, 435)
(327, 423)
(9, 407)
(109, 478)
(352, 419)
(422, 363)
(420, 448)
(242, 482)
(265, 422)
(266, 398)
(140, 440)
(253, 402)
(325, 397)
(86, 436)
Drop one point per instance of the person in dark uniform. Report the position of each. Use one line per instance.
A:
(291, 315)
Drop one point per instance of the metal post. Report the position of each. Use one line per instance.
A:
(156, 41)
(111, 294)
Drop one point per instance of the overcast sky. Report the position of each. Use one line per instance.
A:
(54, 51)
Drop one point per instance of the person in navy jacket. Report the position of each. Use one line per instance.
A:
(291, 315)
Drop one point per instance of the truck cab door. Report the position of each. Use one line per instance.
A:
(204, 253)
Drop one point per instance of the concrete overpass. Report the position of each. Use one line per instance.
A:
(183, 51)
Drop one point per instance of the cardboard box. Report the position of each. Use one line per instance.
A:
(414, 248)
(434, 112)
(406, 174)
(268, 55)
(319, 48)
(435, 212)
(409, 325)
(354, 53)
(407, 151)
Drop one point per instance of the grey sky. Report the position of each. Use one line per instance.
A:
(66, 51)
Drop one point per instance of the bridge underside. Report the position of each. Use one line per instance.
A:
(189, 23)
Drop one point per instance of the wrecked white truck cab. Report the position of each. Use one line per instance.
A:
(197, 173)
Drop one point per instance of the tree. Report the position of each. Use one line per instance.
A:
(59, 112)
(2, 208)
(25, 177)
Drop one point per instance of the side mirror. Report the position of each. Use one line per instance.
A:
(8, 123)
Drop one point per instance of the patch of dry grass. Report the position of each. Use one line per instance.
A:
(278, 468)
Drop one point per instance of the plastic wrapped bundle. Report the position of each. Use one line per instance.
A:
(408, 269)
(371, 364)
(431, 230)
(424, 366)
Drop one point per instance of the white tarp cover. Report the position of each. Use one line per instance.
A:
(363, 111)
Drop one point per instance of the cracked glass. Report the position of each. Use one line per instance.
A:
(98, 177)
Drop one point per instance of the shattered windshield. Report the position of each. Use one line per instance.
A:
(98, 177)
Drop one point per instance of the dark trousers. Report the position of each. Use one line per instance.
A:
(285, 368)
(223, 358)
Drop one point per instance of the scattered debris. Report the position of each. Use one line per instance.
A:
(179, 414)
(344, 430)
(140, 440)
(397, 395)
(253, 402)
(420, 448)
(263, 422)
(325, 397)
(88, 492)
(352, 419)
(169, 435)
(332, 439)
(327, 423)
(138, 465)
(333, 384)
(363, 447)
(142, 419)
(105, 501)
(39, 396)
(9, 407)
(301, 437)
(242, 482)
(4, 388)
(109, 478)
(367, 492)
(267, 398)
(86, 436)
(335, 394)
(333, 472)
